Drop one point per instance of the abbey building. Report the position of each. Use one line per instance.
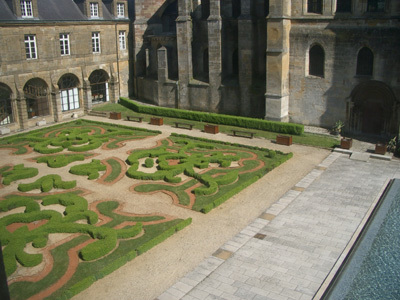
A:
(312, 62)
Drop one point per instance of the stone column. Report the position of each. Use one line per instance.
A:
(245, 47)
(214, 23)
(87, 95)
(162, 74)
(56, 102)
(278, 45)
(22, 111)
(184, 46)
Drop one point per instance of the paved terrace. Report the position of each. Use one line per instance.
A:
(290, 249)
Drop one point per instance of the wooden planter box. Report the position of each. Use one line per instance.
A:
(346, 143)
(115, 115)
(156, 121)
(211, 128)
(284, 140)
(380, 148)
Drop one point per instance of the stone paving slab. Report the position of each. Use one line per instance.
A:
(289, 250)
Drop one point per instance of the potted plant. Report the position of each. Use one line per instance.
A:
(337, 128)
(346, 143)
(380, 148)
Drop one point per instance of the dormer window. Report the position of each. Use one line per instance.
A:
(120, 10)
(94, 10)
(26, 9)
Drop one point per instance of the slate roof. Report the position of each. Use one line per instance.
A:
(52, 10)
(5, 11)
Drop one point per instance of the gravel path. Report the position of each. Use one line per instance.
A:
(148, 275)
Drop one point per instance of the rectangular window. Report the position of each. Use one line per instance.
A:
(314, 6)
(26, 9)
(120, 10)
(122, 40)
(94, 10)
(96, 42)
(64, 43)
(30, 46)
(69, 99)
(376, 6)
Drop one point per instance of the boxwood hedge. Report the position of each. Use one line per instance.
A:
(279, 127)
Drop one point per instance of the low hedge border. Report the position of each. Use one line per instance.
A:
(58, 161)
(47, 183)
(116, 264)
(279, 127)
(91, 169)
(18, 172)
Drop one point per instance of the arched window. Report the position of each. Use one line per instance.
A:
(365, 62)
(343, 6)
(68, 85)
(236, 8)
(169, 16)
(6, 115)
(316, 61)
(99, 86)
(314, 6)
(205, 9)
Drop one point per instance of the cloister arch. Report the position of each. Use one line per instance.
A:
(36, 95)
(69, 93)
(99, 86)
(6, 113)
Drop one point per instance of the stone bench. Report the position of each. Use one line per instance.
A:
(134, 118)
(183, 125)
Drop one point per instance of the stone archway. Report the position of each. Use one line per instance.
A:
(6, 113)
(99, 86)
(37, 98)
(373, 109)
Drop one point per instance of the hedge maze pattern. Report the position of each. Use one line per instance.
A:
(210, 177)
(95, 238)
(56, 242)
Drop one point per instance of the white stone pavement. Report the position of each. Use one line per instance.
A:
(290, 249)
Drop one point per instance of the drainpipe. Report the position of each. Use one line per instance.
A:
(117, 49)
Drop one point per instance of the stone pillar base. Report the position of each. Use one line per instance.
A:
(277, 108)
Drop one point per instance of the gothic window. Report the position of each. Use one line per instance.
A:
(314, 6)
(316, 61)
(6, 115)
(99, 86)
(205, 9)
(365, 62)
(376, 6)
(236, 8)
(68, 85)
(169, 16)
(343, 6)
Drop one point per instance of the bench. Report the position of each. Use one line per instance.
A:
(183, 125)
(134, 118)
(247, 134)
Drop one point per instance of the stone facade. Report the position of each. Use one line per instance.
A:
(305, 61)
(52, 67)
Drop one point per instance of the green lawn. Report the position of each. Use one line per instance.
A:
(309, 139)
